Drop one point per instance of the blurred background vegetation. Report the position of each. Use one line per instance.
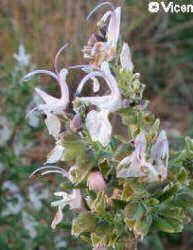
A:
(162, 48)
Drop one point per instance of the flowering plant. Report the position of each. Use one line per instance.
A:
(118, 175)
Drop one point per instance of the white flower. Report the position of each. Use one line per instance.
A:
(99, 127)
(134, 165)
(97, 122)
(160, 155)
(53, 105)
(111, 102)
(30, 224)
(114, 28)
(15, 201)
(22, 58)
(74, 200)
(160, 150)
(125, 58)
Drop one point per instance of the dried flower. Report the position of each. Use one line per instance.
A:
(96, 181)
(102, 47)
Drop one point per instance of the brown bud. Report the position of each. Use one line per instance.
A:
(96, 182)
(76, 123)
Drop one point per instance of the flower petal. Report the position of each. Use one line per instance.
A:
(53, 124)
(57, 219)
(114, 28)
(130, 166)
(48, 99)
(99, 127)
(55, 155)
(140, 145)
(125, 58)
(63, 86)
(160, 150)
(76, 202)
(98, 6)
(39, 71)
(91, 75)
(104, 18)
(111, 102)
(96, 85)
(57, 56)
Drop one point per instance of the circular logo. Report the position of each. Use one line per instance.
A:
(153, 7)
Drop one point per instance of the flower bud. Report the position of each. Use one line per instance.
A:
(76, 202)
(96, 182)
(126, 103)
(76, 123)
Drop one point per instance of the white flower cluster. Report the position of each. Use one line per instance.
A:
(136, 164)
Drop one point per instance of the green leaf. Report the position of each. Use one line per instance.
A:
(85, 222)
(100, 203)
(175, 213)
(142, 226)
(168, 225)
(170, 191)
(184, 200)
(127, 192)
(189, 144)
(134, 211)
(182, 176)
